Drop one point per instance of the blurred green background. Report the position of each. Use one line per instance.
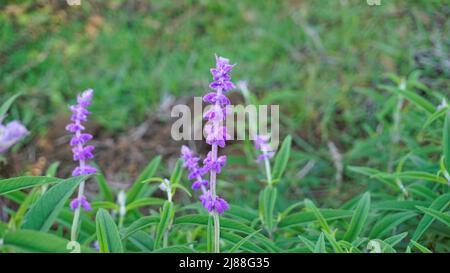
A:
(321, 61)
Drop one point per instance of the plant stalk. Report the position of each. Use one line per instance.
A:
(76, 217)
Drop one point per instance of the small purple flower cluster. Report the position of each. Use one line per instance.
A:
(10, 134)
(216, 135)
(195, 171)
(83, 202)
(261, 143)
(81, 153)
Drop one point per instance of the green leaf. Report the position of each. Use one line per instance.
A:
(436, 115)
(389, 222)
(38, 242)
(395, 239)
(413, 97)
(210, 235)
(320, 244)
(302, 218)
(446, 142)
(268, 207)
(175, 249)
(359, 218)
(138, 225)
(107, 233)
(25, 182)
(439, 204)
(146, 201)
(441, 216)
(248, 246)
(322, 221)
(142, 241)
(330, 237)
(7, 104)
(104, 205)
(177, 172)
(282, 159)
(420, 247)
(243, 241)
(137, 187)
(166, 218)
(44, 212)
(104, 187)
(417, 175)
(373, 173)
(308, 244)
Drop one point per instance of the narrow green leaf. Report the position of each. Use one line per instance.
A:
(320, 244)
(420, 247)
(107, 233)
(7, 104)
(38, 242)
(446, 142)
(166, 218)
(44, 212)
(25, 182)
(243, 241)
(210, 235)
(389, 222)
(282, 158)
(441, 216)
(308, 244)
(439, 204)
(146, 201)
(175, 249)
(413, 97)
(269, 199)
(303, 218)
(359, 218)
(139, 224)
(322, 221)
(177, 172)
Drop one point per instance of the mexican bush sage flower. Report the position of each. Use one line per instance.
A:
(261, 143)
(195, 171)
(10, 134)
(216, 133)
(81, 152)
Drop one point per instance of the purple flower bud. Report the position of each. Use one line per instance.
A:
(218, 204)
(10, 134)
(83, 202)
(199, 183)
(214, 165)
(261, 143)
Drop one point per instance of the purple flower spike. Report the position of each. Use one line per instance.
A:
(83, 202)
(80, 152)
(216, 136)
(10, 134)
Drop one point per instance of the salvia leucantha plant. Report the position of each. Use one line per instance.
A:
(405, 207)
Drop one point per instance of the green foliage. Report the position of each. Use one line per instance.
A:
(107, 233)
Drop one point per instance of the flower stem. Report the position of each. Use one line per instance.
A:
(76, 217)
(216, 232)
(268, 171)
